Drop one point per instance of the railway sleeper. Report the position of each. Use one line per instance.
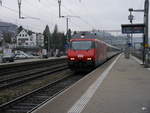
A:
(17, 111)
(22, 107)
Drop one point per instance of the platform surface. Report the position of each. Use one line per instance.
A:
(120, 86)
(30, 60)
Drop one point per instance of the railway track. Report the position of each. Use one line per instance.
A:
(19, 78)
(30, 101)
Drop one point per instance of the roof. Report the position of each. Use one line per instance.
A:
(27, 31)
(81, 39)
(85, 35)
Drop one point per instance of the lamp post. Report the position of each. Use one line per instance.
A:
(67, 18)
(130, 17)
(146, 28)
(19, 6)
(67, 22)
(59, 3)
(146, 21)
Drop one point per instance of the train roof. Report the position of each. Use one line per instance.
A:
(89, 36)
(75, 39)
(89, 39)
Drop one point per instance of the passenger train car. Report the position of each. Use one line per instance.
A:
(88, 52)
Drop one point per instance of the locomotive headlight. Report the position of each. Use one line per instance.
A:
(72, 58)
(89, 58)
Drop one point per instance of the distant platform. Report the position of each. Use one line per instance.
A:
(30, 60)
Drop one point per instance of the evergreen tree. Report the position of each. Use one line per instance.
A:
(29, 32)
(20, 28)
(7, 37)
(63, 42)
(75, 32)
(55, 37)
(69, 34)
(47, 38)
(59, 40)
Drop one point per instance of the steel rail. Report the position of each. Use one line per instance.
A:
(10, 82)
(32, 100)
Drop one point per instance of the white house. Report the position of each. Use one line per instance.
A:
(40, 40)
(33, 39)
(26, 39)
(1, 36)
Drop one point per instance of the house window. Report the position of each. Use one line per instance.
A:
(23, 35)
(20, 35)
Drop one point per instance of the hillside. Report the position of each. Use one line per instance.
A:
(7, 27)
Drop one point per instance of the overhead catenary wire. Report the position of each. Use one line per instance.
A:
(46, 8)
(74, 24)
(83, 20)
(35, 7)
(141, 5)
(18, 23)
(10, 9)
(16, 12)
(89, 24)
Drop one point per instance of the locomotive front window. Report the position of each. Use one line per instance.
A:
(82, 45)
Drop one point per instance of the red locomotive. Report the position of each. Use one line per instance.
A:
(85, 53)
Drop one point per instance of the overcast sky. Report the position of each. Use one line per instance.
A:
(94, 14)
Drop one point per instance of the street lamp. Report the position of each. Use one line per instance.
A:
(146, 21)
(130, 17)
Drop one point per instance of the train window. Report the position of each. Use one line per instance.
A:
(82, 45)
(96, 45)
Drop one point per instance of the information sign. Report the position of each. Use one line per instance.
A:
(132, 28)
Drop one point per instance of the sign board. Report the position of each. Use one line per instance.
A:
(129, 45)
(66, 45)
(132, 28)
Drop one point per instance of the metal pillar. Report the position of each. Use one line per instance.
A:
(130, 37)
(127, 51)
(67, 27)
(146, 43)
(146, 35)
(1, 2)
(131, 21)
(19, 5)
(67, 19)
(59, 3)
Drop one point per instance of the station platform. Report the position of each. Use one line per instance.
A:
(30, 60)
(119, 86)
